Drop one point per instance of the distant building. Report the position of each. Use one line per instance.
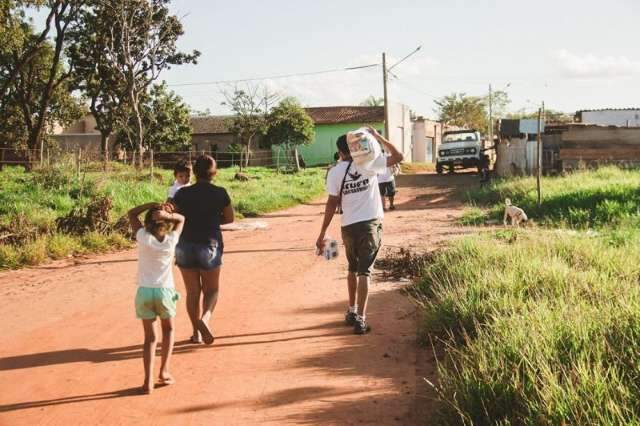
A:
(622, 117)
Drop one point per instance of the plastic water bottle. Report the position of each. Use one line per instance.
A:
(364, 148)
(329, 249)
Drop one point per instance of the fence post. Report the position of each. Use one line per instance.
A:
(48, 158)
(78, 158)
(133, 158)
(41, 152)
(125, 155)
(1, 158)
(190, 160)
(151, 164)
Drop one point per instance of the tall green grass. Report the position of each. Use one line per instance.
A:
(540, 327)
(580, 200)
(34, 200)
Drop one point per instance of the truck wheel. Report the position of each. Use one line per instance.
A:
(439, 168)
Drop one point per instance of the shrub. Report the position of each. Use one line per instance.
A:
(9, 257)
(34, 252)
(61, 246)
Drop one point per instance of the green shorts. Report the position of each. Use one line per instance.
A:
(154, 302)
(361, 243)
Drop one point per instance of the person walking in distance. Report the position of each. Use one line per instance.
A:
(354, 191)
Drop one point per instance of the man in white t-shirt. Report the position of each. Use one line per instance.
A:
(354, 190)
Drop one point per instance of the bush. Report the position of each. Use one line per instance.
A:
(9, 257)
(34, 252)
(61, 246)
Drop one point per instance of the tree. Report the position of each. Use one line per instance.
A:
(461, 110)
(250, 108)
(289, 124)
(94, 76)
(372, 101)
(550, 115)
(166, 118)
(21, 111)
(142, 42)
(29, 56)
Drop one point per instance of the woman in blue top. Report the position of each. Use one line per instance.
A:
(205, 207)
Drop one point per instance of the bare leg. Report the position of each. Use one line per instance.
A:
(384, 202)
(167, 350)
(210, 288)
(391, 205)
(191, 278)
(352, 283)
(149, 353)
(363, 294)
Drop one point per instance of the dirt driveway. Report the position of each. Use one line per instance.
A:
(71, 344)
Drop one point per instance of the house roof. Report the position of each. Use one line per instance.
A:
(219, 124)
(213, 124)
(346, 114)
(607, 109)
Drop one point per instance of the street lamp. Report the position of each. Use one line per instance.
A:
(385, 72)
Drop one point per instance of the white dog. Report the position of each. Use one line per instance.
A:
(516, 214)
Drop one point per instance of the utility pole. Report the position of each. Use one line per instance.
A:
(386, 98)
(490, 115)
(539, 156)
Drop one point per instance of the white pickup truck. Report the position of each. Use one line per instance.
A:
(459, 148)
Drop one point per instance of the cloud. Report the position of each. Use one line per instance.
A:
(592, 66)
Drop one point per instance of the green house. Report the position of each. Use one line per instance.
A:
(330, 123)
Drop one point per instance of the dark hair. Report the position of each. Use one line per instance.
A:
(152, 226)
(182, 166)
(342, 145)
(205, 167)
(336, 156)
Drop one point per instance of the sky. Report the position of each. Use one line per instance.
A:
(570, 54)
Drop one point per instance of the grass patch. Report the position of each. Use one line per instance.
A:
(540, 327)
(473, 216)
(580, 200)
(30, 204)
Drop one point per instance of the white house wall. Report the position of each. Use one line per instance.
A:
(401, 129)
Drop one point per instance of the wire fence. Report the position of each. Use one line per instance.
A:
(82, 158)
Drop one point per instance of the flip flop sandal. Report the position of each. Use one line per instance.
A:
(167, 382)
(195, 340)
(207, 336)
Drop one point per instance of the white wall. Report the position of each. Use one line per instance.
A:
(419, 142)
(401, 129)
(612, 117)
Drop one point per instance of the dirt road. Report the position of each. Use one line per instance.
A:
(71, 344)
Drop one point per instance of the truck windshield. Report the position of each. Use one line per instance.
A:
(459, 137)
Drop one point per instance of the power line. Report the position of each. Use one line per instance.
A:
(275, 77)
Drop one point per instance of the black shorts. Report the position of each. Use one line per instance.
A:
(387, 189)
(361, 243)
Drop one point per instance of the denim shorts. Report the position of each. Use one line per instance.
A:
(204, 256)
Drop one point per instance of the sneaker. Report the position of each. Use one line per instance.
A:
(350, 318)
(361, 326)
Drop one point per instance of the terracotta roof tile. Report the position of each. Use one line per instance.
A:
(217, 124)
(214, 124)
(346, 114)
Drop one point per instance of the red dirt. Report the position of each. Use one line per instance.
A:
(71, 351)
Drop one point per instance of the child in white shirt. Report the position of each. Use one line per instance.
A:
(156, 295)
(182, 175)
